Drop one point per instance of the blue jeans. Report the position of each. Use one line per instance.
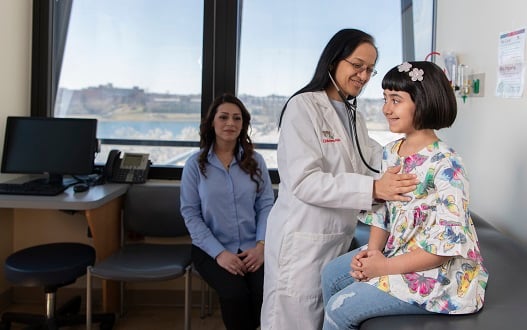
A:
(347, 303)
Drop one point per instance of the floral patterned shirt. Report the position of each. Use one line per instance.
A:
(437, 220)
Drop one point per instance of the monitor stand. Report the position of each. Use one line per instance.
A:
(51, 179)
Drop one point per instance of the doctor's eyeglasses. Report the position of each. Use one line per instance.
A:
(359, 67)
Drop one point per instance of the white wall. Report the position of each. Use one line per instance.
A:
(15, 62)
(15, 38)
(15, 59)
(490, 132)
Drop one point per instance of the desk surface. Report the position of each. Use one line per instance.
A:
(95, 197)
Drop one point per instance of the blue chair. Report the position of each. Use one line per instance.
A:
(150, 210)
(51, 266)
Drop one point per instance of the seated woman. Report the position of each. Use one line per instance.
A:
(226, 196)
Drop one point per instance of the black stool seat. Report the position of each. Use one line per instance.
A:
(51, 266)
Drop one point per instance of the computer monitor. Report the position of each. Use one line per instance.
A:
(51, 146)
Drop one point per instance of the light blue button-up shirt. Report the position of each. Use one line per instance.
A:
(223, 211)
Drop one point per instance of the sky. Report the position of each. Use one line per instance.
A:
(308, 26)
(156, 44)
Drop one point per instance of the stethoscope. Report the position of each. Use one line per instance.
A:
(351, 109)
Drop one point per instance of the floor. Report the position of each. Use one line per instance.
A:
(146, 318)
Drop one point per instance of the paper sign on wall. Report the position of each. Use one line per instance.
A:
(511, 64)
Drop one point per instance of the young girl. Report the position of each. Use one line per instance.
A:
(422, 256)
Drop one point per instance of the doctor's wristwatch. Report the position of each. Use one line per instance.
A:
(261, 242)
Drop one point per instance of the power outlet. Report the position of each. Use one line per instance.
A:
(477, 85)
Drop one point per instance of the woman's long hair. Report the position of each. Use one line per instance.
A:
(208, 136)
(339, 47)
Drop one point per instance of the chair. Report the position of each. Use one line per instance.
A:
(150, 210)
(206, 296)
(51, 266)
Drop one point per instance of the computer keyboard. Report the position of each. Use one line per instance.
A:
(31, 189)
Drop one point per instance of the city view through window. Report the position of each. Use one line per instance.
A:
(139, 71)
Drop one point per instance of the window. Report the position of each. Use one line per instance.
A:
(137, 69)
(148, 70)
(279, 59)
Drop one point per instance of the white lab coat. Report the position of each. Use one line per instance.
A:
(323, 186)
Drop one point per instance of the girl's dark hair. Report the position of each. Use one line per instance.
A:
(339, 47)
(434, 98)
(207, 138)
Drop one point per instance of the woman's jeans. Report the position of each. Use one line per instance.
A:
(347, 303)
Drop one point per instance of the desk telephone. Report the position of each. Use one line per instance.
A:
(132, 168)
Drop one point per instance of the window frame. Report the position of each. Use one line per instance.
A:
(221, 39)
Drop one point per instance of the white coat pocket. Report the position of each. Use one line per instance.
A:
(304, 255)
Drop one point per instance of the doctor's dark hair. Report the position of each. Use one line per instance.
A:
(208, 136)
(339, 47)
(434, 98)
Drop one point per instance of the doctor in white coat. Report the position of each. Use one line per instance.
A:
(326, 163)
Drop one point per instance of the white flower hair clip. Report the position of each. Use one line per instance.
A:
(404, 67)
(416, 74)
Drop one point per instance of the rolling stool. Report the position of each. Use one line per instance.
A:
(51, 266)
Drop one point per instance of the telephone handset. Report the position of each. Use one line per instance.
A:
(132, 168)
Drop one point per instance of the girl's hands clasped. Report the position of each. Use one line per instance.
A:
(368, 264)
(356, 266)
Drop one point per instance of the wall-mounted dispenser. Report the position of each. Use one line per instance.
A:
(477, 81)
(464, 83)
